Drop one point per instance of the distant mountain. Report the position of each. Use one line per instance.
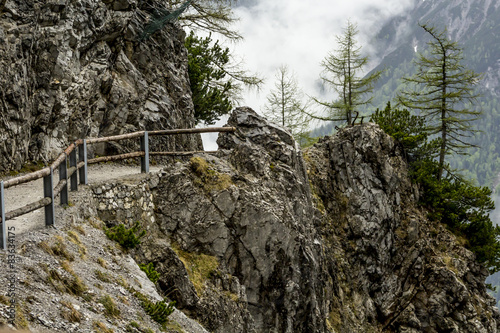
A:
(475, 24)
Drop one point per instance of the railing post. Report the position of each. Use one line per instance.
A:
(48, 191)
(145, 149)
(74, 176)
(82, 156)
(3, 229)
(63, 174)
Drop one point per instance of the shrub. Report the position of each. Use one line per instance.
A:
(159, 311)
(150, 271)
(450, 199)
(128, 238)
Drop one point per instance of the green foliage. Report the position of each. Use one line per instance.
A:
(450, 200)
(407, 129)
(211, 90)
(159, 311)
(128, 238)
(439, 89)
(463, 208)
(341, 72)
(150, 271)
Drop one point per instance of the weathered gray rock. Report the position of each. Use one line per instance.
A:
(260, 226)
(366, 260)
(255, 240)
(76, 69)
(394, 270)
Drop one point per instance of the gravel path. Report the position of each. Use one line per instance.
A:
(21, 195)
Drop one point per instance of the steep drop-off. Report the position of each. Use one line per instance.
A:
(76, 69)
(258, 238)
(336, 244)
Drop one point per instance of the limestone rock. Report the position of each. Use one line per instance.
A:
(394, 269)
(76, 69)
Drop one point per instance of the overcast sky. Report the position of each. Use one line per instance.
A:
(300, 34)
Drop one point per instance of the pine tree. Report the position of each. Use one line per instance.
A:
(210, 89)
(284, 105)
(342, 72)
(442, 87)
(215, 81)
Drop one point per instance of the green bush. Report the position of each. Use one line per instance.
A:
(451, 200)
(407, 129)
(159, 311)
(128, 238)
(464, 208)
(150, 271)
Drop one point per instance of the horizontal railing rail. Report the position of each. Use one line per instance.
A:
(78, 169)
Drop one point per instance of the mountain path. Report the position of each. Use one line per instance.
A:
(21, 195)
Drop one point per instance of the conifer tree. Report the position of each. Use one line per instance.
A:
(342, 71)
(284, 105)
(216, 82)
(442, 88)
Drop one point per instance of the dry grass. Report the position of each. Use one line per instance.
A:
(110, 307)
(200, 267)
(72, 285)
(71, 314)
(208, 178)
(101, 328)
(80, 229)
(67, 267)
(102, 262)
(103, 276)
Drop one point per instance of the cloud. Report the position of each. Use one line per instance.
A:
(300, 34)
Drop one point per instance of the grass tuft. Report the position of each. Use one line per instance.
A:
(208, 178)
(71, 314)
(110, 307)
(200, 267)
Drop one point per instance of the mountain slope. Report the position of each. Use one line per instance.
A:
(474, 25)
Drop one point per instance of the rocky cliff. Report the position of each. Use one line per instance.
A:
(336, 244)
(77, 68)
(262, 237)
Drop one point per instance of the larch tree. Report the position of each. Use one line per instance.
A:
(441, 90)
(285, 106)
(343, 72)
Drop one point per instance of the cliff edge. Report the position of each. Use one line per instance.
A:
(261, 237)
(78, 69)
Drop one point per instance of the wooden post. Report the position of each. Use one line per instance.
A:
(74, 176)
(49, 193)
(3, 229)
(82, 157)
(63, 174)
(145, 149)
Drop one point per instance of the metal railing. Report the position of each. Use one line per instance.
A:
(80, 163)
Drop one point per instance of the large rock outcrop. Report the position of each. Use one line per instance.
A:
(75, 69)
(336, 244)
(250, 208)
(257, 238)
(391, 269)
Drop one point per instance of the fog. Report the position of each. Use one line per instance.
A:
(299, 34)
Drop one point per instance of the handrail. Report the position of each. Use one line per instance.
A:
(69, 175)
(116, 137)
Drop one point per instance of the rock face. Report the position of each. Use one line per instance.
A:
(76, 69)
(337, 244)
(257, 238)
(249, 207)
(394, 270)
